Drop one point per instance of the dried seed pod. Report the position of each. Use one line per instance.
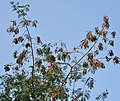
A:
(16, 31)
(20, 39)
(96, 63)
(116, 60)
(90, 56)
(97, 30)
(94, 39)
(26, 22)
(84, 44)
(107, 25)
(100, 46)
(15, 40)
(103, 26)
(89, 36)
(105, 18)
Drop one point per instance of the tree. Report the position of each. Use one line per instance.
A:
(47, 72)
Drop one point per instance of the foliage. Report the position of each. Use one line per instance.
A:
(47, 72)
(102, 96)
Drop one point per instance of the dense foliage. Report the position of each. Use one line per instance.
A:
(49, 72)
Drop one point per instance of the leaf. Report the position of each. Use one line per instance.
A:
(113, 34)
(7, 68)
(12, 2)
(10, 29)
(38, 40)
(111, 53)
(14, 23)
(42, 69)
(96, 52)
(39, 51)
(15, 40)
(27, 9)
(102, 65)
(34, 24)
(27, 45)
(97, 30)
(111, 42)
(85, 64)
(46, 50)
(19, 15)
(84, 71)
(64, 56)
(59, 57)
(21, 57)
(15, 54)
(60, 50)
(87, 95)
(50, 58)
(108, 59)
(38, 62)
(17, 68)
(102, 96)
(90, 82)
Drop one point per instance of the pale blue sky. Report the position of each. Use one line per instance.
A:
(68, 20)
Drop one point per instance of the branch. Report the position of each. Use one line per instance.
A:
(80, 59)
(64, 81)
(64, 63)
(33, 62)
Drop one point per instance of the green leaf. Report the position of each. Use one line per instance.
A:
(7, 68)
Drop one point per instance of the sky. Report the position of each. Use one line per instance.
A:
(68, 20)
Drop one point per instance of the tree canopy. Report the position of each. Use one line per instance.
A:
(49, 71)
